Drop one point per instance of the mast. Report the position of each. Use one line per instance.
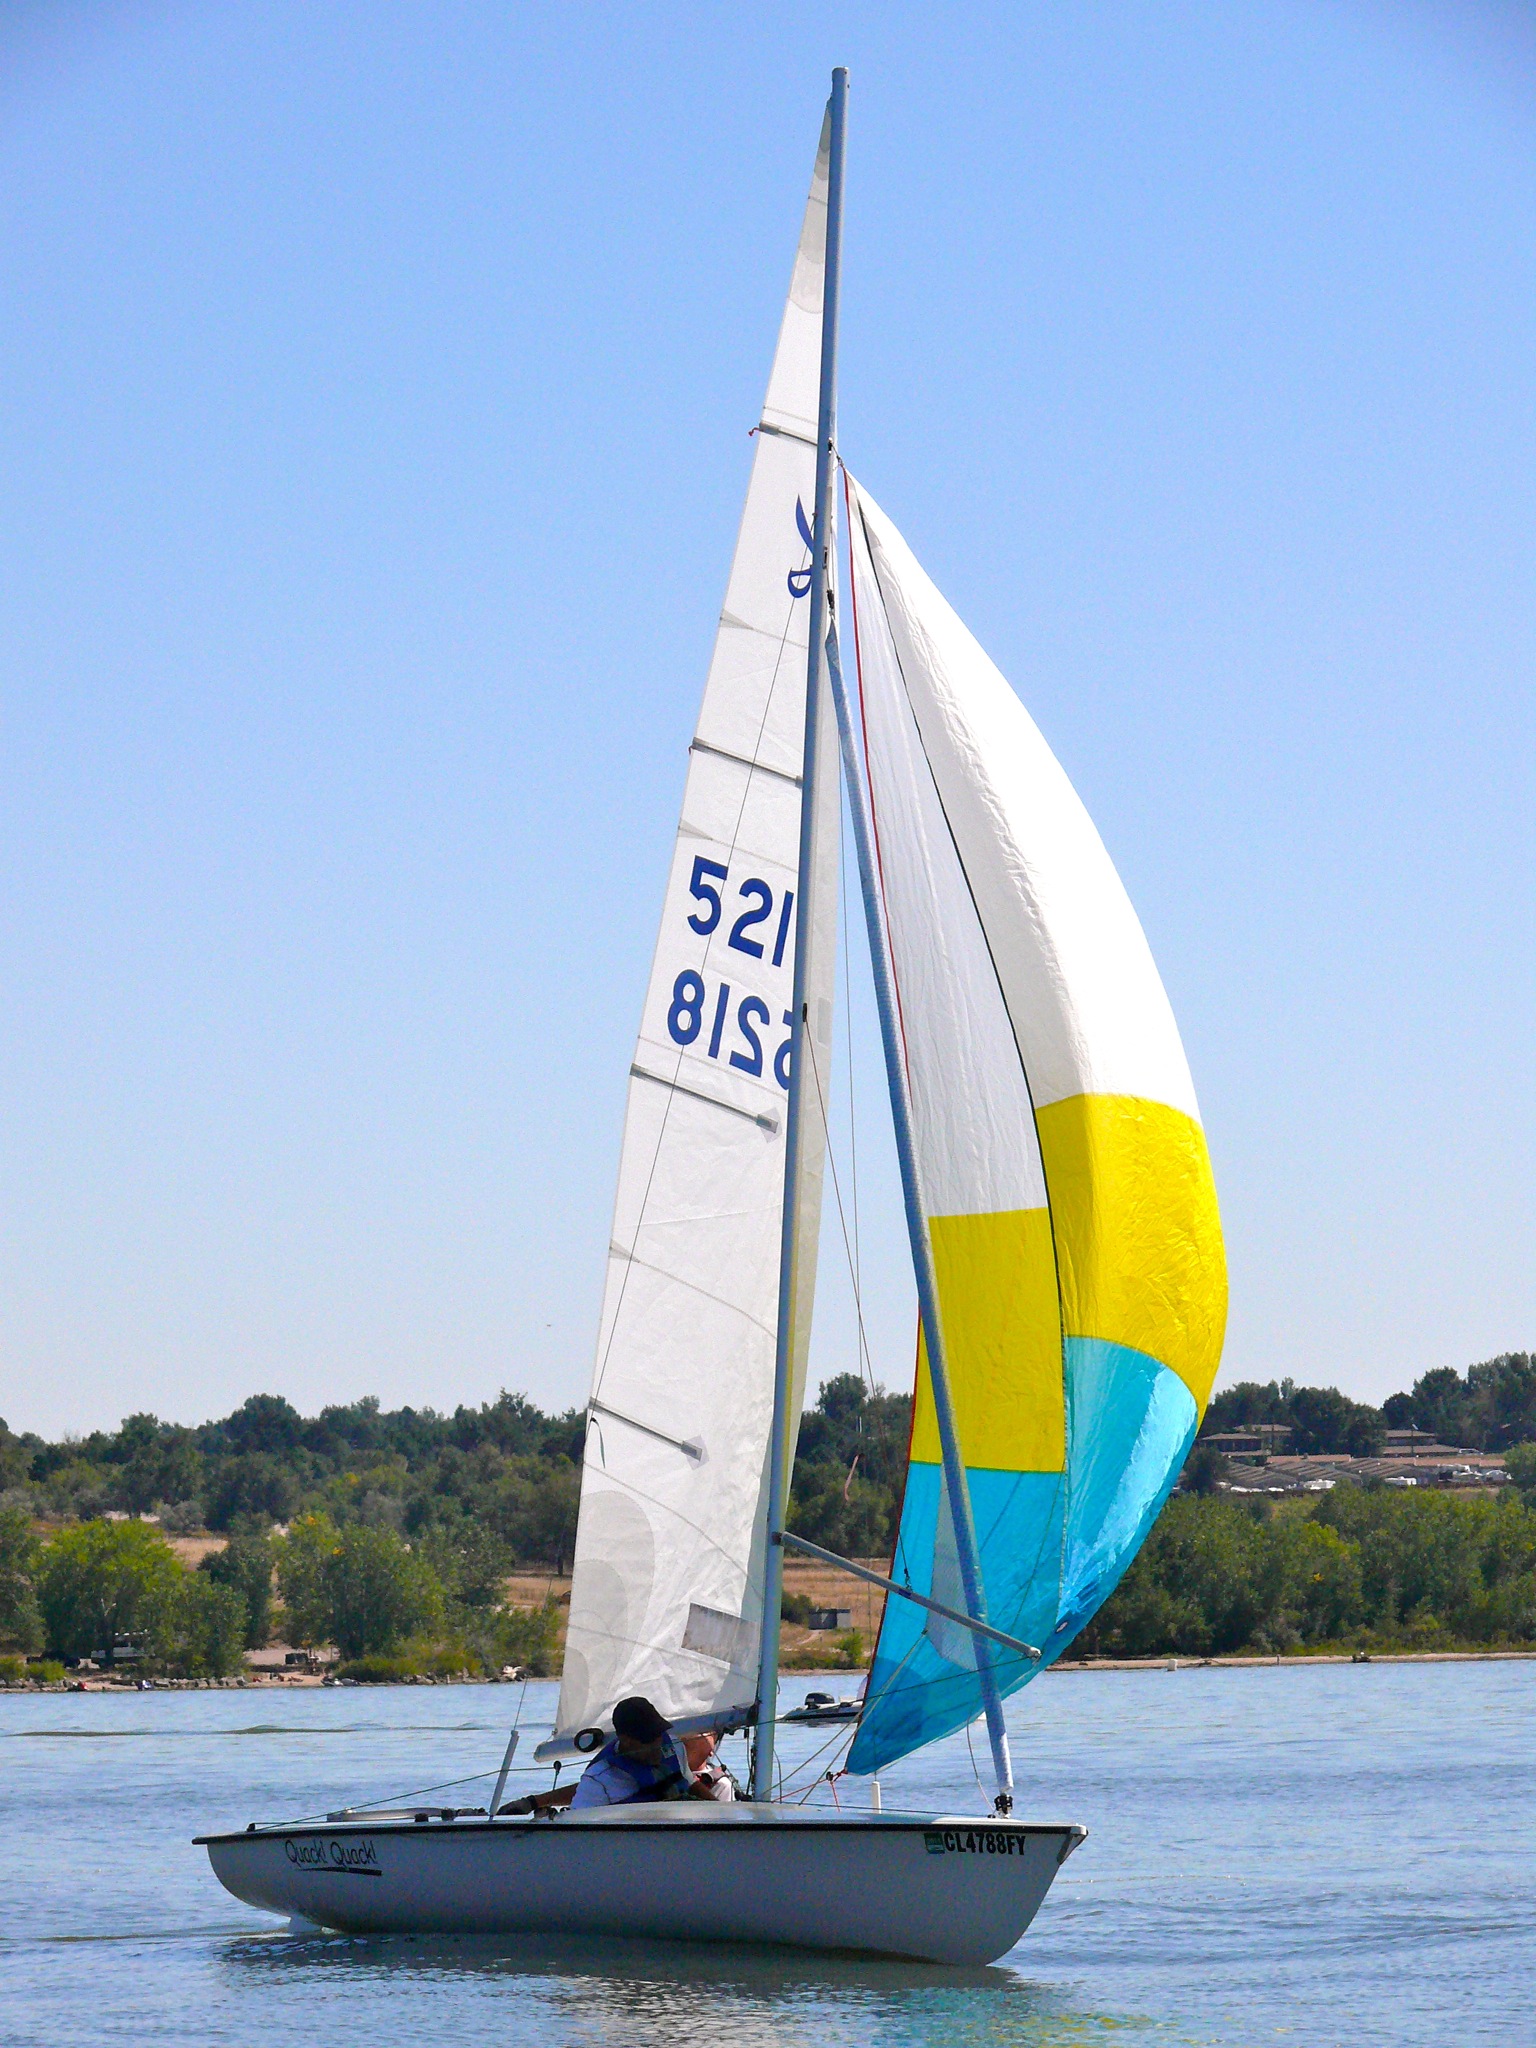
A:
(967, 1555)
(783, 1364)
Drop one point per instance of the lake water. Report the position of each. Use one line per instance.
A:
(1336, 1855)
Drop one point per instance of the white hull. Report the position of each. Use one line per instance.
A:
(939, 1888)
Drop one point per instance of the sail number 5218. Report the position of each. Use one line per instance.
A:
(755, 931)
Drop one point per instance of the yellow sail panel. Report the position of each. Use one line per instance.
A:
(1138, 1237)
(1002, 1341)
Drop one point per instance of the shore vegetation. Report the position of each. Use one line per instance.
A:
(394, 1535)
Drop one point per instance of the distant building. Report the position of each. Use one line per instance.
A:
(1403, 1443)
(1254, 1440)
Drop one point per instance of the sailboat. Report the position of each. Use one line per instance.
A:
(1063, 1230)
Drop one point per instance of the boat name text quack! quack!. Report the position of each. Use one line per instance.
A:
(353, 1859)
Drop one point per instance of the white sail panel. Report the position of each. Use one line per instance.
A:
(667, 1592)
(1085, 995)
(972, 1119)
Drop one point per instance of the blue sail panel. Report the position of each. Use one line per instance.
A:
(915, 1694)
(1053, 1547)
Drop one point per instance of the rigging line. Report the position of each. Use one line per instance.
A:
(972, 1748)
(822, 1776)
(388, 1800)
(666, 1115)
(858, 669)
(874, 822)
(851, 1249)
(839, 1734)
(853, 1126)
(858, 1303)
(866, 1361)
(395, 1798)
(866, 1355)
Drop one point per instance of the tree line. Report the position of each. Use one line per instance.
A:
(1487, 1408)
(1364, 1568)
(108, 1590)
(391, 1533)
(504, 1468)
(507, 1475)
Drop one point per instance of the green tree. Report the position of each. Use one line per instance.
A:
(303, 1558)
(1203, 1584)
(246, 1564)
(15, 1464)
(1421, 1557)
(1320, 1418)
(470, 1560)
(78, 1490)
(257, 1486)
(21, 1623)
(853, 1427)
(362, 1589)
(101, 1580)
(266, 1423)
(1250, 1401)
(529, 1636)
(1323, 1419)
(1204, 1471)
(196, 1629)
(1520, 1463)
(1318, 1571)
(850, 1467)
(1490, 1409)
(538, 1513)
(845, 1514)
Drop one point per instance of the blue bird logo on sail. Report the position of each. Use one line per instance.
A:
(800, 579)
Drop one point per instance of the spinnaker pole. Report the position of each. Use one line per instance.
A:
(967, 1554)
(799, 1070)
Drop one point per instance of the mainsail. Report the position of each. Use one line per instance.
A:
(1064, 1171)
(667, 1595)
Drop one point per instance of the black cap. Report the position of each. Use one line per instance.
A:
(638, 1721)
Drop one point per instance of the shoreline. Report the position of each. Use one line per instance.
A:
(314, 1683)
(1297, 1662)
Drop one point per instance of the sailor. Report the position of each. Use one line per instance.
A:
(711, 1779)
(644, 1761)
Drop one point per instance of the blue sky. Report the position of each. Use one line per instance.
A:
(374, 390)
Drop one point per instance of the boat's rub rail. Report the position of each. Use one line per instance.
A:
(1071, 1832)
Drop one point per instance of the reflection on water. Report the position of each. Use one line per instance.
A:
(1311, 1856)
(672, 1995)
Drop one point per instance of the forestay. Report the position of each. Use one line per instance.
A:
(1063, 1168)
(667, 1595)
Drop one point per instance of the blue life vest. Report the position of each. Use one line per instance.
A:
(614, 1780)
